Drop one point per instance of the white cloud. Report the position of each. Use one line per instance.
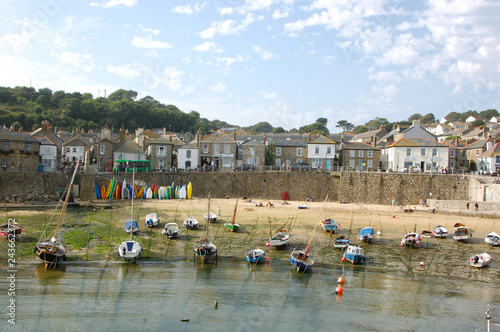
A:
(227, 61)
(208, 46)
(188, 10)
(148, 30)
(82, 61)
(228, 27)
(384, 76)
(147, 43)
(125, 71)
(265, 55)
(277, 14)
(217, 88)
(269, 95)
(172, 78)
(113, 3)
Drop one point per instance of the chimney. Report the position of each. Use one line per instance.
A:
(416, 123)
(234, 135)
(264, 138)
(456, 141)
(382, 128)
(45, 125)
(309, 139)
(374, 141)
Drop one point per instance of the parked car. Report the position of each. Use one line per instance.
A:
(411, 169)
(300, 167)
(208, 168)
(247, 167)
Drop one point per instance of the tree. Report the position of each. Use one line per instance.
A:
(323, 121)
(345, 125)
(314, 128)
(269, 154)
(376, 123)
(279, 130)
(428, 118)
(360, 129)
(477, 123)
(488, 114)
(416, 116)
(121, 94)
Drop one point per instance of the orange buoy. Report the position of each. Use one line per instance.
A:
(343, 259)
(251, 269)
(422, 264)
(341, 280)
(394, 216)
(339, 290)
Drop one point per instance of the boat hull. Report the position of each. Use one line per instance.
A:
(301, 261)
(480, 260)
(191, 223)
(52, 254)
(152, 220)
(205, 250)
(129, 250)
(355, 259)
(255, 256)
(7, 229)
(171, 230)
(232, 227)
(279, 239)
(492, 239)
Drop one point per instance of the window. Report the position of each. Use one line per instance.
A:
(28, 147)
(74, 150)
(351, 163)
(497, 160)
(408, 152)
(316, 149)
(102, 149)
(452, 153)
(352, 153)
(299, 152)
(205, 148)
(251, 151)
(422, 152)
(477, 152)
(226, 162)
(463, 153)
(139, 157)
(161, 163)
(370, 163)
(216, 148)
(161, 151)
(452, 165)
(68, 150)
(5, 162)
(434, 152)
(188, 153)
(227, 148)
(5, 146)
(278, 162)
(278, 151)
(328, 149)
(46, 150)
(251, 161)
(370, 154)
(360, 153)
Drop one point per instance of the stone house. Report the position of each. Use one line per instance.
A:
(489, 161)
(47, 131)
(414, 131)
(218, 149)
(458, 157)
(19, 151)
(370, 136)
(251, 152)
(187, 156)
(102, 150)
(360, 156)
(474, 150)
(159, 151)
(427, 153)
(321, 151)
(289, 151)
(129, 150)
(48, 154)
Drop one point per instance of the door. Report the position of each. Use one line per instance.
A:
(328, 164)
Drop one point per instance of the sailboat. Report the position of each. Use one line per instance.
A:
(130, 249)
(51, 252)
(301, 258)
(204, 247)
(279, 239)
(232, 225)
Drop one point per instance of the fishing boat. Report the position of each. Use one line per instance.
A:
(279, 239)
(366, 234)
(190, 223)
(171, 230)
(212, 217)
(302, 207)
(205, 248)
(461, 232)
(232, 226)
(493, 239)
(152, 220)
(51, 252)
(480, 260)
(354, 254)
(411, 240)
(341, 242)
(440, 232)
(131, 249)
(330, 226)
(301, 259)
(255, 256)
(131, 226)
(10, 227)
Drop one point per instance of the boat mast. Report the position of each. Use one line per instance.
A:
(65, 200)
(270, 229)
(234, 214)
(208, 215)
(306, 251)
(132, 208)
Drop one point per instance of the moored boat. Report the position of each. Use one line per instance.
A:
(480, 260)
(366, 234)
(330, 226)
(461, 232)
(152, 220)
(190, 223)
(232, 226)
(493, 239)
(171, 230)
(440, 232)
(255, 256)
(204, 247)
(341, 242)
(131, 226)
(354, 254)
(411, 240)
(131, 249)
(10, 227)
(212, 217)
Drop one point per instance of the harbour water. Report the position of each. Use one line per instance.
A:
(157, 296)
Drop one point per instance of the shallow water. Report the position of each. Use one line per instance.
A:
(155, 296)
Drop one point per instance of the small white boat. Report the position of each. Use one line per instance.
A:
(255, 256)
(493, 239)
(480, 260)
(461, 232)
(354, 254)
(171, 230)
(302, 207)
(152, 220)
(440, 232)
(411, 240)
(213, 217)
(341, 242)
(191, 223)
(131, 226)
(129, 249)
(279, 239)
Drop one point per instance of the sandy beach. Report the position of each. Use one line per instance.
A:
(442, 257)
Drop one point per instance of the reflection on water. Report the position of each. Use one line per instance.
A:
(158, 295)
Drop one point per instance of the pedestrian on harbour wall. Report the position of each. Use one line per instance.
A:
(476, 206)
(467, 205)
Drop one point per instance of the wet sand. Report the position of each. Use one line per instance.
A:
(442, 257)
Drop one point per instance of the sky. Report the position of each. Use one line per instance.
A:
(285, 62)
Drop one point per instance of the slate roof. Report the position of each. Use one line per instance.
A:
(359, 146)
(478, 144)
(321, 140)
(130, 147)
(491, 152)
(416, 142)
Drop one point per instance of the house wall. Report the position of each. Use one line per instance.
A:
(322, 154)
(259, 155)
(17, 155)
(181, 158)
(289, 155)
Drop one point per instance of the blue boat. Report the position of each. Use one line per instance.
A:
(301, 260)
(329, 225)
(366, 234)
(342, 242)
(354, 254)
(131, 226)
(255, 256)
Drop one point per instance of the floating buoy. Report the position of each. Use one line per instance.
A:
(422, 264)
(268, 244)
(394, 216)
(216, 304)
(343, 259)
(341, 280)
(339, 290)
(379, 233)
(185, 320)
(107, 257)
(251, 269)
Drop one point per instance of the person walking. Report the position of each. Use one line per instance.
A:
(476, 206)
(467, 205)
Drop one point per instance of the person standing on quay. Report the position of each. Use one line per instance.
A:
(476, 206)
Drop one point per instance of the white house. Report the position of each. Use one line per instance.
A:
(187, 156)
(489, 161)
(48, 154)
(470, 119)
(75, 149)
(321, 151)
(421, 152)
(129, 151)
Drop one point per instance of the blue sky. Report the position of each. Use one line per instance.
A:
(285, 62)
